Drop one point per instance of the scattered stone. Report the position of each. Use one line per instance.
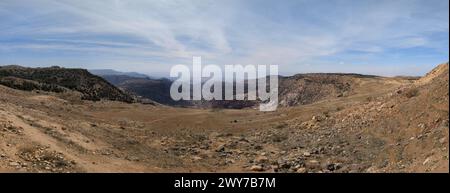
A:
(261, 159)
(132, 158)
(428, 160)
(313, 164)
(372, 169)
(197, 158)
(257, 168)
(421, 125)
(333, 167)
(220, 149)
(301, 170)
(284, 165)
(274, 167)
(306, 154)
(14, 164)
(230, 161)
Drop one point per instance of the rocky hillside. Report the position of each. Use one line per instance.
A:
(56, 79)
(406, 129)
(304, 89)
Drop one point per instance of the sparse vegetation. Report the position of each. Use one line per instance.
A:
(55, 79)
(411, 92)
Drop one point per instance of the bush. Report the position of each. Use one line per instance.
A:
(412, 92)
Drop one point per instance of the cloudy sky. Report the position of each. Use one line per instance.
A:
(392, 37)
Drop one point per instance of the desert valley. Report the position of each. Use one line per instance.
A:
(69, 120)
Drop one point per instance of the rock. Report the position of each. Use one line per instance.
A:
(132, 158)
(14, 164)
(306, 154)
(421, 125)
(274, 167)
(426, 161)
(257, 168)
(230, 161)
(196, 158)
(442, 140)
(261, 159)
(220, 149)
(317, 118)
(301, 170)
(243, 139)
(284, 165)
(333, 167)
(372, 169)
(312, 164)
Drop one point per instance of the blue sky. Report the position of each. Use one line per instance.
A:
(382, 37)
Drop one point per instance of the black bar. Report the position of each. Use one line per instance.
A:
(283, 182)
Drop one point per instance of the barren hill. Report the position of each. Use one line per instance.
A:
(304, 89)
(406, 127)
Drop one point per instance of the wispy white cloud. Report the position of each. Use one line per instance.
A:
(289, 33)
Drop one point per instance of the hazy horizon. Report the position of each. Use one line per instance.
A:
(150, 75)
(385, 38)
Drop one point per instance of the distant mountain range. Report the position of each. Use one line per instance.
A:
(108, 72)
